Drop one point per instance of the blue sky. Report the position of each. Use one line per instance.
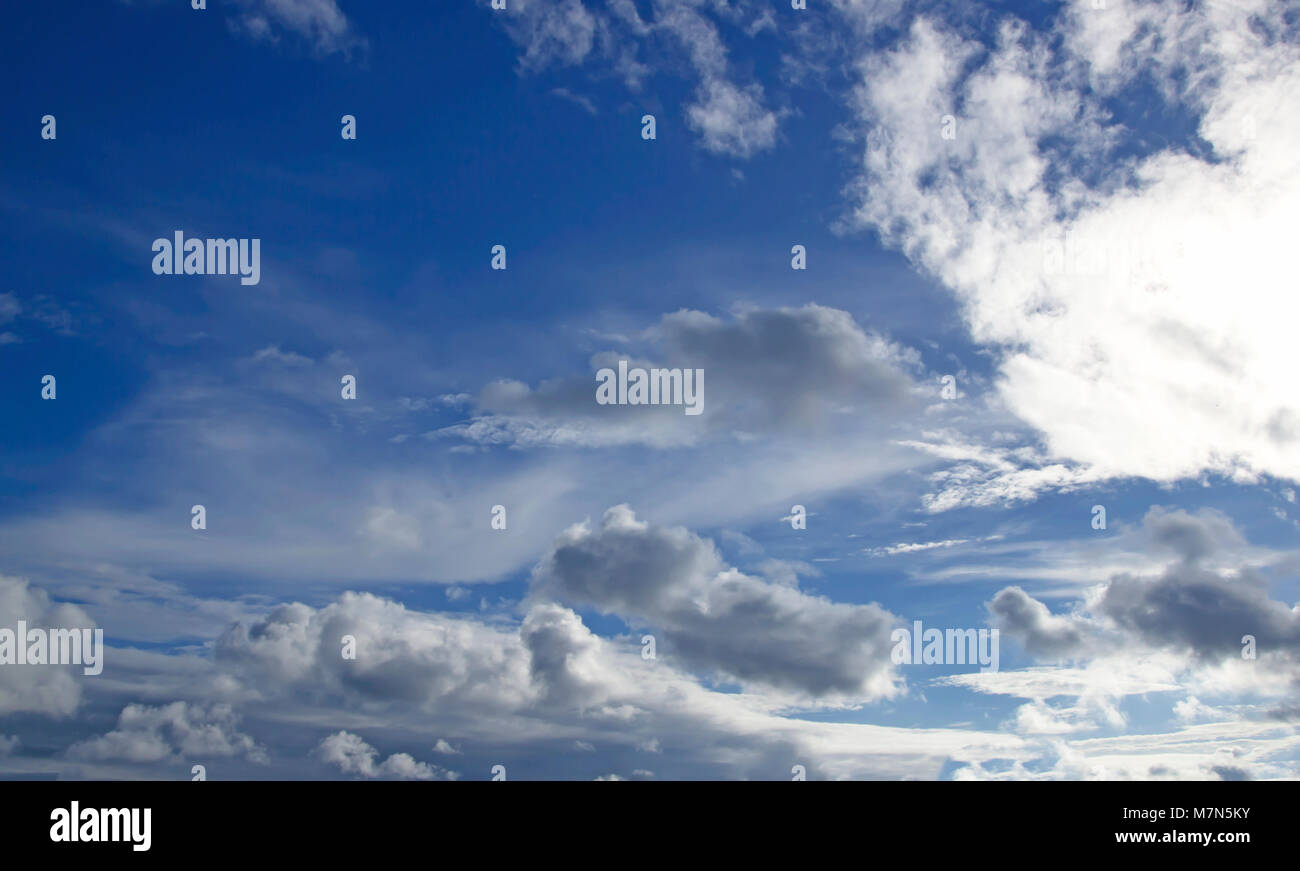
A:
(1077, 213)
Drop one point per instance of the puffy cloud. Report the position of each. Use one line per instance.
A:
(732, 120)
(402, 657)
(352, 755)
(717, 618)
(1191, 537)
(155, 734)
(765, 371)
(1193, 606)
(1208, 613)
(1111, 274)
(545, 684)
(42, 689)
(551, 678)
(794, 365)
(1039, 718)
(1043, 634)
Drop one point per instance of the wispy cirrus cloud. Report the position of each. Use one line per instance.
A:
(729, 118)
(321, 24)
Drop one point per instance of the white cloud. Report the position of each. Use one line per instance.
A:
(551, 678)
(551, 31)
(730, 118)
(273, 354)
(155, 734)
(386, 527)
(1110, 283)
(352, 755)
(321, 23)
(54, 690)
(577, 99)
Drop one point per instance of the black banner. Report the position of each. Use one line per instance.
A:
(930, 820)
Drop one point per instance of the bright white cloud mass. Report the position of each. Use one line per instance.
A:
(1038, 377)
(1138, 296)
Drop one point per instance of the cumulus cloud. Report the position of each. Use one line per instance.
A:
(1193, 607)
(551, 678)
(352, 755)
(1043, 634)
(715, 617)
(402, 657)
(732, 120)
(1205, 612)
(1106, 272)
(42, 689)
(154, 734)
(1109, 272)
(768, 371)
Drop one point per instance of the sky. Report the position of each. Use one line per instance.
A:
(1036, 375)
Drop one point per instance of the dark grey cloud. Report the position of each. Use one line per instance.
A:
(1196, 604)
(791, 366)
(716, 618)
(1044, 635)
(1202, 604)
(1191, 536)
(1230, 772)
(1207, 612)
(403, 658)
(784, 370)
